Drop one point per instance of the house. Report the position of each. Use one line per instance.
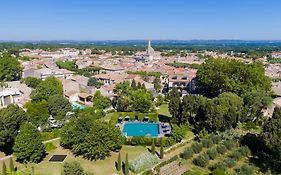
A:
(46, 72)
(111, 78)
(85, 98)
(9, 96)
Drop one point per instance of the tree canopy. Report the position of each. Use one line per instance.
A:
(101, 102)
(50, 86)
(225, 75)
(10, 120)
(10, 68)
(271, 136)
(37, 112)
(58, 106)
(92, 139)
(92, 81)
(28, 144)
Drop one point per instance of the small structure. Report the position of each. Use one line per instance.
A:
(120, 120)
(8, 96)
(57, 158)
(146, 119)
(127, 118)
(85, 98)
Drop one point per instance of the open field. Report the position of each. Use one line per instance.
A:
(100, 167)
(164, 110)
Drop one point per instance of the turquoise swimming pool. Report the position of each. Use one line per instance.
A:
(75, 105)
(141, 129)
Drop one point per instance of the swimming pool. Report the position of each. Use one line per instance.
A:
(75, 105)
(141, 129)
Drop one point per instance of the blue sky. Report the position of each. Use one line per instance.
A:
(140, 19)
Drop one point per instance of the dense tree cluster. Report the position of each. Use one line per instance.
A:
(184, 65)
(31, 81)
(224, 75)
(271, 136)
(90, 138)
(71, 65)
(10, 68)
(94, 82)
(101, 102)
(217, 114)
(47, 88)
(133, 97)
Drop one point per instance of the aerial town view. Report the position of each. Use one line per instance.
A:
(140, 87)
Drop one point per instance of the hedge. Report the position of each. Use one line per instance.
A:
(133, 116)
(147, 141)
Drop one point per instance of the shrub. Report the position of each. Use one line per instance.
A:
(220, 165)
(245, 170)
(207, 143)
(202, 160)
(188, 153)
(221, 149)
(229, 144)
(215, 138)
(197, 147)
(230, 162)
(245, 151)
(236, 155)
(213, 153)
(219, 172)
(49, 147)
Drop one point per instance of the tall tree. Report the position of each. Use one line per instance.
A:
(58, 106)
(134, 84)
(141, 100)
(11, 164)
(90, 138)
(153, 147)
(37, 112)
(119, 162)
(161, 149)
(4, 169)
(254, 103)
(28, 144)
(94, 82)
(157, 84)
(127, 165)
(32, 81)
(47, 88)
(101, 102)
(175, 105)
(10, 121)
(271, 137)
(225, 75)
(10, 68)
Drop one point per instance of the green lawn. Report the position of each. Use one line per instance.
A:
(164, 110)
(100, 167)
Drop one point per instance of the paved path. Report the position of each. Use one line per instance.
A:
(47, 141)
